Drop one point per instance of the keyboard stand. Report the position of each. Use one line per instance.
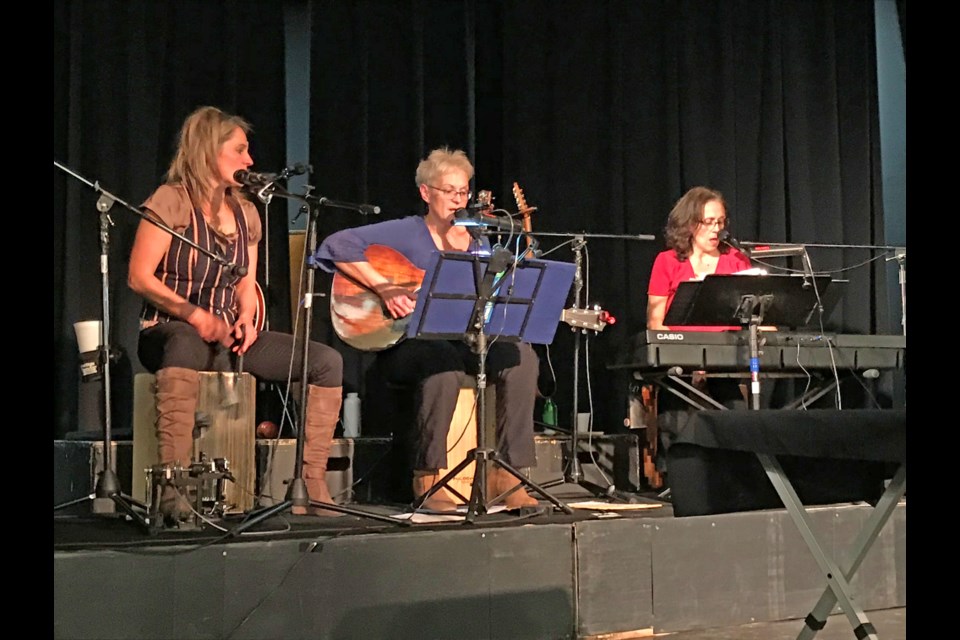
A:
(873, 435)
(838, 577)
(672, 381)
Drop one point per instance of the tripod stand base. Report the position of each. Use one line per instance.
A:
(477, 504)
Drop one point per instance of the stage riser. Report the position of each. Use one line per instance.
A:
(550, 581)
(415, 586)
(765, 571)
(725, 570)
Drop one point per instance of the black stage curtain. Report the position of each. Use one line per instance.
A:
(126, 74)
(603, 112)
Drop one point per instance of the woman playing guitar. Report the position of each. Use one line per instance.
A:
(378, 269)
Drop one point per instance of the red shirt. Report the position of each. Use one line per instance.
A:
(668, 273)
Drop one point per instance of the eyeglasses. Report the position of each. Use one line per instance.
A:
(450, 192)
(720, 223)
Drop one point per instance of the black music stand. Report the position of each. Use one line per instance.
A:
(751, 301)
(474, 298)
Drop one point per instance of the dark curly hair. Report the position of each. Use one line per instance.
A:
(684, 218)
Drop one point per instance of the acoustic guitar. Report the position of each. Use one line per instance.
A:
(358, 315)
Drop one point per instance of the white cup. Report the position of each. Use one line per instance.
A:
(583, 423)
(88, 335)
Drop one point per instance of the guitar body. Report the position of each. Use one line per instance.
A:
(260, 314)
(358, 315)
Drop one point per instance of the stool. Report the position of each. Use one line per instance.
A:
(221, 432)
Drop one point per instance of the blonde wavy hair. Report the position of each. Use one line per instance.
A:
(194, 164)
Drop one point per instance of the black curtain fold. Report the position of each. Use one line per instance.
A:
(604, 113)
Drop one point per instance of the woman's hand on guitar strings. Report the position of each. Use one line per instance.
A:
(399, 302)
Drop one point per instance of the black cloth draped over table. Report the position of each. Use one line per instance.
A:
(830, 456)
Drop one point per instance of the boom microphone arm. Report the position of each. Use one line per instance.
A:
(232, 268)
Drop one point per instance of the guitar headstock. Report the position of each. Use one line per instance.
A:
(524, 210)
(518, 196)
(591, 319)
(522, 207)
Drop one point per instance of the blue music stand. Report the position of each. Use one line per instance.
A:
(526, 303)
(476, 298)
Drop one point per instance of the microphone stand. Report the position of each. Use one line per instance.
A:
(573, 473)
(264, 193)
(900, 256)
(107, 496)
(297, 495)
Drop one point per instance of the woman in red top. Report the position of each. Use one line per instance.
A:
(694, 251)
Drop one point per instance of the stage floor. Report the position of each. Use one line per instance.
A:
(83, 529)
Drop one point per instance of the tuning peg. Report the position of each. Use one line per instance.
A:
(606, 318)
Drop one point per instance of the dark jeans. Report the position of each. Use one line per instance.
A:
(270, 358)
(436, 369)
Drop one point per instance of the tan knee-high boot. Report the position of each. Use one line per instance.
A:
(176, 397)
(176, 401)
(323, 413)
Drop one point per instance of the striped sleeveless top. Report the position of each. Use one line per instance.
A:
(197, 277)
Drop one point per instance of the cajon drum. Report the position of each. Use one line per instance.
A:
(462, 436)
(222, 431)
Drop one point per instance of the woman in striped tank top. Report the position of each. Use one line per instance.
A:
(199, 316)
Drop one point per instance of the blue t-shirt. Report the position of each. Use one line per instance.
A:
(408, 235)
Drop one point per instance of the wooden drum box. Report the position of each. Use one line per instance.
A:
(226, 413)
(462, 436)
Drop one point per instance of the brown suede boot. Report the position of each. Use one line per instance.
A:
(174, 506)
(323, 413)
(500, 481)
(176, 401)
(440, 500)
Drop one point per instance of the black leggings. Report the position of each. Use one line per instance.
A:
(177, 344)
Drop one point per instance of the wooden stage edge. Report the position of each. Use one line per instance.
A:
(552, 576)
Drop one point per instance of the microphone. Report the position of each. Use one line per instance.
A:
(473, 216)
(237, 270)
(253, 178)
(776, 251)
(364, 209)
(733, 242)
